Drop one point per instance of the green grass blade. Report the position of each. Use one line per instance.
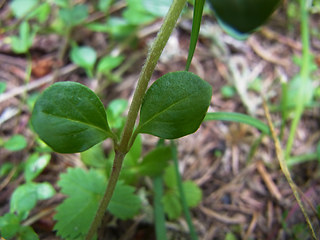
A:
(193, 234)
(159, 216)
(238, 117)
(196, 21)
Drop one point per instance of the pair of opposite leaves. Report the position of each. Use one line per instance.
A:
(70, 118)
(241, 17)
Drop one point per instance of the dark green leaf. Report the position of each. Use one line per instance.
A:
(34, 165)
(175, 105)
(237, 117)
(154, 163)
(240, 18)
(16, 143)
(9, 225)
(70, 118)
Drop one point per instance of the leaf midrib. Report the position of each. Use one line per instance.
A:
(77, 121)
(166, 109)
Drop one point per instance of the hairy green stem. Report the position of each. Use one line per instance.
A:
(185, 208)
(304, 76)
(147, 70)
(107, 195)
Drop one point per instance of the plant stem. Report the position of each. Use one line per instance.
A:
(304, 75)
(185, 208)
(147, 70)
(107, 195)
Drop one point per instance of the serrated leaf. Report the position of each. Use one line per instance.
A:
(9, 225)
(154, 163)
(193, 193)
(76, 213)
(175, 105)
(16, 143)
(172, 205)
(85, 190)
(124, 203)
(80, 182)
(70, 118)
(35, 164)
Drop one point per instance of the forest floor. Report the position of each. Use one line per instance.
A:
(244, 189)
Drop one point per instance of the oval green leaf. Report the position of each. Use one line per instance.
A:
(240, 17)
(175, 105)
(70, 118)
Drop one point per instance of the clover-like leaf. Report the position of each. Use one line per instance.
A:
(70, 118)
(175, 105)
